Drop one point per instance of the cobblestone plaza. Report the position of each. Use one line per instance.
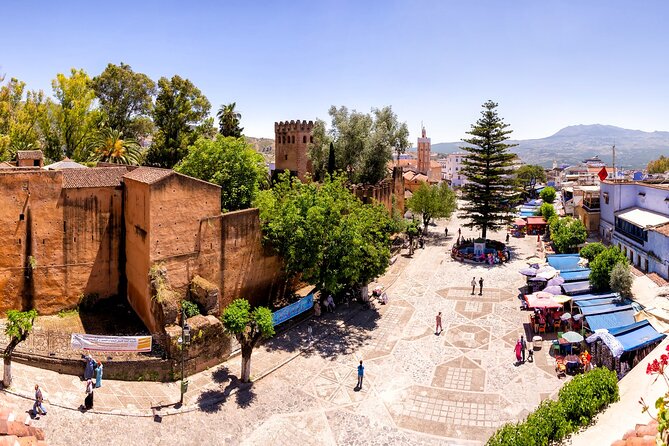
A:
(419, 388)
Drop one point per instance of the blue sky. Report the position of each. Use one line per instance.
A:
(549, 64)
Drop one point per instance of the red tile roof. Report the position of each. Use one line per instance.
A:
(148, 175)
(664, 229)
(536, 221)
(94, 177)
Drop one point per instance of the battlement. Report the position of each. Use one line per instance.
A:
(287, 126)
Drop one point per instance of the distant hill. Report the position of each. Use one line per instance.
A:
(265, 146)
(573, 144)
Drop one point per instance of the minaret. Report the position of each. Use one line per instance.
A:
(424, 147)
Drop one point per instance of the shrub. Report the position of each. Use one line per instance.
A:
(547, 194)
(621, 279)
(578, 402)
(591, 250)
(547, 211)
(190, 308)
(567, 233)
(602, 265)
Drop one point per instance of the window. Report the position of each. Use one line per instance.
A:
(292, 139)
(285, 157)
(36, 163)
(283, 139)
(311, 139)
(606, 197)
(22, 217)
(304, 139)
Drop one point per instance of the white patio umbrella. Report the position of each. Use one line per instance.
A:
(566, 316)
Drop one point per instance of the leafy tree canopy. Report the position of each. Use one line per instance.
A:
(19, 118)
(547, 194)
(546, 210)
(528, 176)
(126, 99)
(109, 146)
(621, 279)
(231, 163)
(602, 265)
(326, 234)
(659, 165)
(491, 190)
(75, 118)
(591, 250)
(436, 201)
(363, 143)
(228, 120)
(179, 113)
(567, 233)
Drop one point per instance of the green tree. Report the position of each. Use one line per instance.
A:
(324, 233)
(547, 194)
(591, 250)
(659, 165)
(363, 143)
(546, 210)
(567, 233)
(412, 231)
(491, 190)
(621, 279)
(527, 176)
(248, 327)
(126, 99)
(602, 265)
(231, 163)
(109, 146)
(436, 201)
(180, 110)
(76, 118)
(19, 325)
(228, 120)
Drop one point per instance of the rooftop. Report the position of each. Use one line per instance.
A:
(29, 155)
(148, 175)
(65, 163)
(95, 177)
(642, 218)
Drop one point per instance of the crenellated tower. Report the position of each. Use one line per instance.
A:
(291, 142)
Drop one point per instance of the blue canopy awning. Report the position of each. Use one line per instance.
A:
(581, 297)
(574, 276)
(572, 288)
(637, 335)
(595, 302)
(607, 308)
(598, 317)
(565, 262)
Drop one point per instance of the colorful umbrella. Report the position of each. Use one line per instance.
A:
(561, 298)
(572, 337)
(555, 281)
(534, 259)
(566, 316)
(531, 272)
(553, 290)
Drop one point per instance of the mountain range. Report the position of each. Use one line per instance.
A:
(573, 144)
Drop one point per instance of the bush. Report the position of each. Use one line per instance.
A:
(621, 279)
(547, 211)
(602, 265)
(547, 194)
(567, 233)
(578, 402)
(190, 308)
(591, 250)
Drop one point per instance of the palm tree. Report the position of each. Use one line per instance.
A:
(228, 120)
(109, 146)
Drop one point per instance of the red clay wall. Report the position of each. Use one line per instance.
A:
(73, 236)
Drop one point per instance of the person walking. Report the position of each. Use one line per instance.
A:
(446, 231)
(98, 375)
(438, 329)
(507, 238)
(38, 407)
(361, 375)
(481, 286)
(459, 232)
(89, 371)
(473, 285)
(517, 349)
(88, 401)
(523, 347)
(310, 332)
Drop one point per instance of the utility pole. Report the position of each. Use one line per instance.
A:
(614, 163)
(184, 341)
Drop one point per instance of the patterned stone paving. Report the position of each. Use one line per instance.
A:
(452, 389)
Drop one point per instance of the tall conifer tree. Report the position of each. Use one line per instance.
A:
(491, 190)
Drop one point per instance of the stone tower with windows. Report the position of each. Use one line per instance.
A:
(424, 147)
(291, 141)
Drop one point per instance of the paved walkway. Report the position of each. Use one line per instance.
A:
(419, 388)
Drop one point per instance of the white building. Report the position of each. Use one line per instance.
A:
(451, 169)
(635, 217)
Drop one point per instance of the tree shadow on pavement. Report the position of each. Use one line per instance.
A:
(332, 336)
(211, 401)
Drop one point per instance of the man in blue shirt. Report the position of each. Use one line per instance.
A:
(361, 375)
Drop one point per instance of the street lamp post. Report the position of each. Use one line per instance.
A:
(184, 340)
